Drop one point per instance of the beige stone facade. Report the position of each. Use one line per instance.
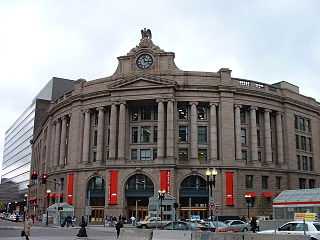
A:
(151, 116)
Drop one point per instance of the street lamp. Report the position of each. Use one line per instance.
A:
(25, 208)
(250, 202)
(48, 199)
(161, 195)
(211, 182)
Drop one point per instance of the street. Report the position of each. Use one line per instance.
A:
(12, 230)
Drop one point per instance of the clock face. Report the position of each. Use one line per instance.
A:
(144, 61)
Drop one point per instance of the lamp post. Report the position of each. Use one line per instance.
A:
(250, 202)
(25, 208)
(48, 199)
(161, 195)
(211, 182)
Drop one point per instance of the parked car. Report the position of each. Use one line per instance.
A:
(311, 229)
(237, 225)
(215, 226)
(152, 222)
(179, 225)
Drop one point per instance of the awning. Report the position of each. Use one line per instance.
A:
(251, 194)
(267, 194)
(298, 198)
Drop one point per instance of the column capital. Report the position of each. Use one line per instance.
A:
(122, 102)
(193, 103)
(213, 104)
(87, 110)
(160, 100)
(279, 113)
(101, 108)
(267, 110)
(238, 106)
(170, 100)
(64, 117)
(253, 108)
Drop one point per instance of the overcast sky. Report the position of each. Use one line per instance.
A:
(266, 41)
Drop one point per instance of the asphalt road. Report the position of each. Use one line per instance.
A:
(12, 230)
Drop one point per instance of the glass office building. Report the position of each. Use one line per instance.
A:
(17, 147)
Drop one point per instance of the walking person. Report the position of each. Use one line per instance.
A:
(253, 224)
(119, 225)
(27, 228)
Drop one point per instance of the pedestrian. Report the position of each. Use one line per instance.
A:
(243, 218)
(119, 225)
(133, 220)
(82, 231)
(27, 228)
(253, 224)
(68, 221)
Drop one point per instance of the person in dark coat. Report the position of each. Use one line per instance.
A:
(119, 225)
(82, 231)
(254, 224)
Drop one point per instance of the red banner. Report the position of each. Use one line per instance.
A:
(113, 187)
(165, 180)
(70, 183)
(229, 189)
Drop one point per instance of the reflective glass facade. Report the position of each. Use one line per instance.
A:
(17, 150)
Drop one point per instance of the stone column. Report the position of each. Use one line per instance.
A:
(279, 137)
(122, 131)
(194, 131)
(253, 134)
(57, 143)
(160, 140)
(113, 132)
(100, 134)
(63, 140)
(267, 136)
(86, 137)
(237, 125)
(170, 129)
(213, 132)
(52, 142)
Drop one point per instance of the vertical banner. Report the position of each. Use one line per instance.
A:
(113, 187)
(229, 189)
(165, 180)
(70, 186)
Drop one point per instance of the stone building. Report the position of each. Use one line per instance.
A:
(113, 142)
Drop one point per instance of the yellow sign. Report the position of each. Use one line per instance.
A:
(305, 216)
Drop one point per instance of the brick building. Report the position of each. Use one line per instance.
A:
(113, 142)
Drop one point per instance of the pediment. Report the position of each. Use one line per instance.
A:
(142, 82)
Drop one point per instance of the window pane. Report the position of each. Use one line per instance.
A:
(146, 113)
(134, 137)
(249, 181)
(265, 182)
(299, 162)
(182, 111)
(244, 155)
(310, 163)
(134, 115)
(155, 154)
(243, 136)
(202, 155)
(278, 182)
(243, 116)
(134, 154)
(202, 135)
(202, 112)
(155, 134)
(145, 154)
(145, 134)
(183, 154)
(183, 134)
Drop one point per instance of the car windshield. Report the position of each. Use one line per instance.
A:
(317, 226)
(219, 224)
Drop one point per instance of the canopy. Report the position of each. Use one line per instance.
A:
(301, 197)
(65, 207)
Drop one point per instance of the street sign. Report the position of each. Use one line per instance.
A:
(212, 206)
(88, 211)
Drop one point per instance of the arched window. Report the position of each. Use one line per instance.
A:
(96, 191)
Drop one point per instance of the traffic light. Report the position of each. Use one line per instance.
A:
(44, 178)
(34, 175)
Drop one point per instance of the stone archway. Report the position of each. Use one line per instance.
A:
(96, 189)
(193, 197)
(138, 189)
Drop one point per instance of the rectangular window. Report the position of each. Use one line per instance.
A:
(297, 141)
(302, 183)
(244, 155)
(303, 143)
(94, 156)
(183, 154)
(309, 125)
(134, 154)
(202, 112)
(258, 138)
(310, 163)
(243, 136)
(134, 115)
(259, 156)
(309, 144)
(299, 162)
(155, 154)
(155, 134)
(134, 136)
(155, 113)
(61, 184)
(183, 134)
(249, 181)
(312, 183)
(304, 163)
(243, 119)
(182, 111)
(278, 182)
(202, 155)
(301, 124)
(145, 154)
(95, 118)
(264, 181)
(202, 135)
(95, 138)
(146, 113)
(258, 118)
(145, 134)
